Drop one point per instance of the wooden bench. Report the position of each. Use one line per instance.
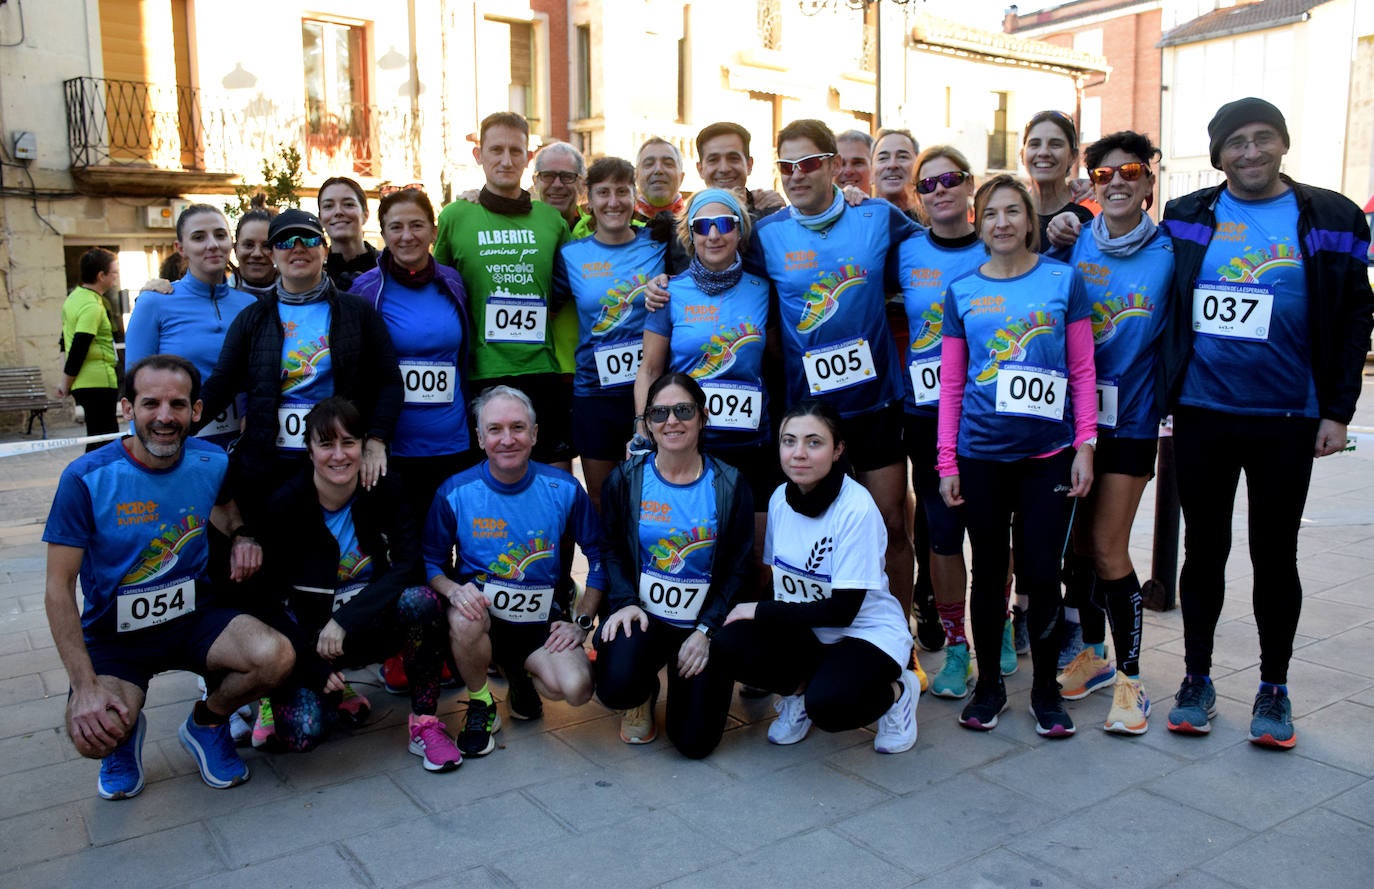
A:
(21, 389)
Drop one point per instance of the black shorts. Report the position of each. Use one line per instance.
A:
(603, 424)
(512, 643)
(873, 439)
(1126, 456)
(551, 396)
(181, 644)
(758, 464)
(946, 523)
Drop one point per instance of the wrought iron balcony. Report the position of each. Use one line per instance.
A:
(122, 131)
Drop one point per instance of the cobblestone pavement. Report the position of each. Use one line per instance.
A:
(565, 803)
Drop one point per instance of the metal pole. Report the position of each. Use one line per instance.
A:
(877, 66)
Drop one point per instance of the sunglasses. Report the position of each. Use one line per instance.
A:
(809, 164)
(291, 241)
(1129, 172)
(385, 190)
(702, 225)
(548, 176)
(948, 180)
(683, 410)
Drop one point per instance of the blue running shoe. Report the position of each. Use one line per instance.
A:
(1271, 722)
(213, 749)
(1195, 706)
(1071, 645)
(121, 773)
(952, 680)
(1008, 658)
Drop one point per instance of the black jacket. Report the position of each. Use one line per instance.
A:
(732, 560)
(364, 368)
(1335, 240)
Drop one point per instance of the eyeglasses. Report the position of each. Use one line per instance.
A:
(658, 413)
(1263, 140)
(702, 225)
(548, 176)
(948, 180)
(292, 241)
(1129, 172)
(809, 164)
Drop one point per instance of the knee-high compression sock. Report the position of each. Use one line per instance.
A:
(1122, 597)
(952, 619)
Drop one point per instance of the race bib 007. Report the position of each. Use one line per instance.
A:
(677, 600)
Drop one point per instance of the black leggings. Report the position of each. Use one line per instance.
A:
(1211, 449)
(848, 683)
(1035, 491)
(627, 674)
(99, 407)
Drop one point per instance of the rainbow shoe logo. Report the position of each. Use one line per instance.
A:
(822, 298)
(301, 365)
(723, 349)
(932, 327)
(1108, 314)
(1009, 343)
(670, 553)
(515, 562)
(618, 302)
(1251, 265)
(163, 552)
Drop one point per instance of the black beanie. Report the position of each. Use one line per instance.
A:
(1234, 115)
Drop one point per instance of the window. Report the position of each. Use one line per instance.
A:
(511, 76)
(336, 101)
(998, 136)
(583, 68)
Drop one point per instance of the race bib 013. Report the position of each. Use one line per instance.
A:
(792, 584)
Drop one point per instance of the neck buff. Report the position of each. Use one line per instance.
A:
(404, 276)
(816, 223)
(504, 206)
(713, 283)
(649, 211)
(819, 498)
(1128, 243)
(314, 294)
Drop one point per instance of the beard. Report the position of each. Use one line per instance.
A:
(160, 449)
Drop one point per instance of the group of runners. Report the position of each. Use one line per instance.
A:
(754, 387)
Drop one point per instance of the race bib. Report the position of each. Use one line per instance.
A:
(345, 594)
(676, 600)
(1236, 311)
(792, 584)
(617, 363)
(516, 320)
(1106, 403)
(925, 380)
(291, 426)
(733, 405)
(428, 382)
(518, 603)
(152, 604)
(839, 366)
(1031, 391)
(225, 423)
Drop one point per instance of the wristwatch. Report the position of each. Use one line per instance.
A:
(583, 621)
(1091, 442)
(706, 631)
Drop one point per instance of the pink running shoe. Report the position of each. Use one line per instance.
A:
(431, 742)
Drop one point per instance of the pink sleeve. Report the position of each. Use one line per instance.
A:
(1082, 379)
(953, 373)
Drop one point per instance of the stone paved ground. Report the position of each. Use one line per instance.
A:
(564, 803)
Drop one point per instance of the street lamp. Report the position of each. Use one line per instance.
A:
(814, 7)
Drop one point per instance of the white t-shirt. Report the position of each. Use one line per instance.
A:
(841, 548)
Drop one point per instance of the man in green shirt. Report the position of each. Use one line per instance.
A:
(504, 247)
(90, 375)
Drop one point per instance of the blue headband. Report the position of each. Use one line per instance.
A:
(714, 196)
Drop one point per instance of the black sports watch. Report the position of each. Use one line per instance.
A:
(583, 621)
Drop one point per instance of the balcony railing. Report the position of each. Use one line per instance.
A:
(122, 123)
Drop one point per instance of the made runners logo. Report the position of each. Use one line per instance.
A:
(1252, 265)
(618, 304)
(164, 551)
(491, 529)
(135, 512)
(1009, 343)
(1230, 231)
(670, 553)
(515, 562)
(929, 334)
(822, 299)
(653, 511)
(722, 350)
(1109, 313)
(301, 365)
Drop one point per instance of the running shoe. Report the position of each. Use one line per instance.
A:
(213, 749)
(637, 724)
(483, 721)
(353, 708)
(1071, 643)
(1051, 719)
(1020, 630)
(897, 727)
(792, 723)
(121, 773)
(522, 699)
(265, 725)
(392, 673)
(430, 741)
(1086, 674)
(915, 667)
(989, 700)
(1130, 707)
(1271, 722)
(1008, 658)
(930, 633)
(1195, 706)
(952, 680)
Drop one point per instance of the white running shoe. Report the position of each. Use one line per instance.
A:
(792, 723)
(897, 727)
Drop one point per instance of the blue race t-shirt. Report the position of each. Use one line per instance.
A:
(832, 289)
(677, 540)
(427, 331)
(507, 536)
(1016, 393)
(607, 283)
(307, 370)
(1251, 353)
(719, 341)
(1129, 297)
(927, 268)
(355, 566)
(143, 531)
